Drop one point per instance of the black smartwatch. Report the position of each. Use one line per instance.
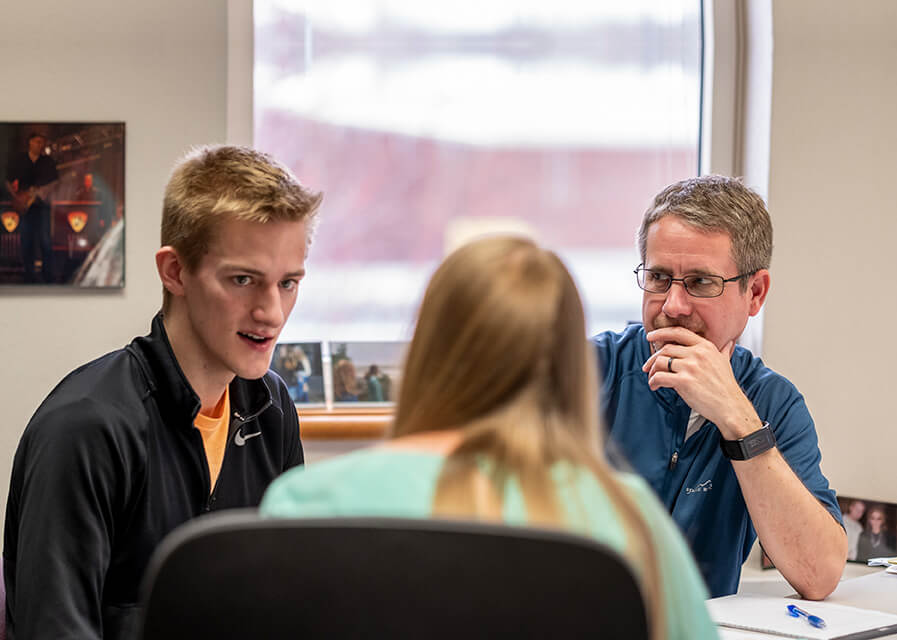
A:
(749, 446)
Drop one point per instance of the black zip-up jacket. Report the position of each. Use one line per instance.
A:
(107, 466)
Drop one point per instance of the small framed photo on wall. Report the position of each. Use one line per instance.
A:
(62, 204)
(366, 372)
(300, 366)
(871, 527)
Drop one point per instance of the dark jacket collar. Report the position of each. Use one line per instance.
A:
(177, 400)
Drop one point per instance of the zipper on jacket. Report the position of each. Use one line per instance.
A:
(205, 465)
(237, 420)
(210, 501)
(674, 460)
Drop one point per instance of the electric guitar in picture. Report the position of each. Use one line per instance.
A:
(22, 199)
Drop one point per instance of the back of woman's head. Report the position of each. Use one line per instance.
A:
(501, 324)
(500, 353)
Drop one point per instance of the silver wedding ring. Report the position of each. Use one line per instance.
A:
(670, 364)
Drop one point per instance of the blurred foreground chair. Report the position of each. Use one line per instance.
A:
(238, 575)
(2, 602)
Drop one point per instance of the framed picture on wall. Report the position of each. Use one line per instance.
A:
(366, 372)
(62, 198)
(301, 367)
(871, 527)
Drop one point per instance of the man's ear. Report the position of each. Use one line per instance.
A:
(758, 289)
(171, 270)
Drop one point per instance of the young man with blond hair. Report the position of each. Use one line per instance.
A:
(185, 420)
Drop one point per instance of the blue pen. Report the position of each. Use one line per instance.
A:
(796, 612)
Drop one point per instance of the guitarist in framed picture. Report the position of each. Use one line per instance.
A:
(30, 177)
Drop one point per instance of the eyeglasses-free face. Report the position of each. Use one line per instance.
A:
(699, 286)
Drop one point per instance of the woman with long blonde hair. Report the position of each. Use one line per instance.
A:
(497, 419)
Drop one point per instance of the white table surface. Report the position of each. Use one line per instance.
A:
(875, 590)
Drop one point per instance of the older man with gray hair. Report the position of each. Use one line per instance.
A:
(728, 444)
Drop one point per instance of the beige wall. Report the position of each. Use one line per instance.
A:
(161, 68)
(832, 179)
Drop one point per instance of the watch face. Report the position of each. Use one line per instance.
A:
(751, 445)
(758, 442)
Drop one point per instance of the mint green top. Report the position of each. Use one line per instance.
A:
(401, 483)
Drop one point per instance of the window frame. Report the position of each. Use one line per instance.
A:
(721, 150)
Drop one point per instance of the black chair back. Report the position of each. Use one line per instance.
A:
(241, 576)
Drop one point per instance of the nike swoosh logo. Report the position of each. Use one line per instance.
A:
(240, 439)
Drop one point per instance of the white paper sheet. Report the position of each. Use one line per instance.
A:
(770, 615)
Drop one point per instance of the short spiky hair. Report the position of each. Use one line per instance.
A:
(216, 183)
(716, 203)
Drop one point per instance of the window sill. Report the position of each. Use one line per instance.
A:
(368, 423)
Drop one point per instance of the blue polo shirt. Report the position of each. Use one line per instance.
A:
(646, 429)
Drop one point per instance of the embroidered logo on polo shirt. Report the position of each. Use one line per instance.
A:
(240, 439)
(704, 487)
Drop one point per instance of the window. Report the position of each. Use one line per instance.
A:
(427, 123)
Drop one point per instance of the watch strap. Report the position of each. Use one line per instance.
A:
(751, 445)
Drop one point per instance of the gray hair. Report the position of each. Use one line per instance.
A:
(715, 203)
